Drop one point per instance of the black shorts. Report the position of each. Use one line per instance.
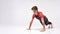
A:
(45, 20)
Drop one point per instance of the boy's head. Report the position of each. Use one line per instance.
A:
(34, 9)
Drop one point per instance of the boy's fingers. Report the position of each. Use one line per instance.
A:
(28, 29)
(42, 30)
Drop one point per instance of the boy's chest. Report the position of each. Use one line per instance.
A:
(37, 17)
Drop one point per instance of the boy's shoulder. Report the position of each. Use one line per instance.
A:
(39, 12)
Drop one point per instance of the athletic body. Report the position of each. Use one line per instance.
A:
(42, 18)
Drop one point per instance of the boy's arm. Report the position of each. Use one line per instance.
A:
(43, 24)
(42, 19)
(31, 22)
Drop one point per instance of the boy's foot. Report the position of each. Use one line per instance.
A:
(50, 26)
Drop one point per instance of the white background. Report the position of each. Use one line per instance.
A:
(18, 12)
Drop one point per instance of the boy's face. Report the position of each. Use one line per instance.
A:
(35, 12)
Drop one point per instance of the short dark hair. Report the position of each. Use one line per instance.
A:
(34, 7)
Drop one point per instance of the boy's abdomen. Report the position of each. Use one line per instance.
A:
(45, 19)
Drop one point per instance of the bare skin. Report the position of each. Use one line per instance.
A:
(50, 26)
(30, 24)
(43, 24)
(42, 19)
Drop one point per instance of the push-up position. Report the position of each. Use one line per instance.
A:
(42, 18)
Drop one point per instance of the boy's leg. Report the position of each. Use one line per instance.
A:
(47, 22)
(50, 25)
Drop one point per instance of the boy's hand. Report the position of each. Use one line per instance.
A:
(42, 30)
(28, 29)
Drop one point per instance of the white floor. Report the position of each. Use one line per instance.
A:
(16, 29)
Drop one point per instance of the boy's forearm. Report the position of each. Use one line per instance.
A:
(43, 24)
(30, 24)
